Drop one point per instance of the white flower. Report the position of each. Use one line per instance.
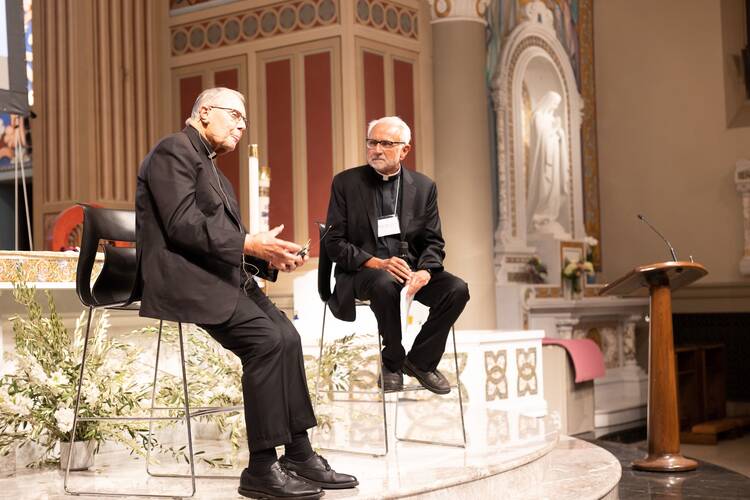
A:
(64, 417)
(36, 373)
(591, 241)
(91, 393)
(22, 405)
(58, 378)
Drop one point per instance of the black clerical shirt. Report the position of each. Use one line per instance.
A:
(387, 194)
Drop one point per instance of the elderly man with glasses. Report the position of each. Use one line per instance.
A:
(195, 261)
(384, 235)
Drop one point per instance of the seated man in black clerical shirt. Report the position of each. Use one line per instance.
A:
(384, 234)
(191, 247)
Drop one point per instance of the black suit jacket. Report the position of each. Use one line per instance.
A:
(189, 238)
(352, 236)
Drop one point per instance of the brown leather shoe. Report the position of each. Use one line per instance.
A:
(315, 470)
(275, 484)
(433, 381)
(394, 381)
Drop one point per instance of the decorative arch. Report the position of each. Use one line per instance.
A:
(533, 42)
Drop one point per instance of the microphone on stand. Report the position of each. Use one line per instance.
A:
(671, 248)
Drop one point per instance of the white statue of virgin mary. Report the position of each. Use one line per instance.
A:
(548, 169)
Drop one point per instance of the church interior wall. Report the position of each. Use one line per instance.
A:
(665, 148)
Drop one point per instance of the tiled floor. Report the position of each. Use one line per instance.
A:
(733, 454)
(708, 482)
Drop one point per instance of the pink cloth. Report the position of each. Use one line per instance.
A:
(588, 360)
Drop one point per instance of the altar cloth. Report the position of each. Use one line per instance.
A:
(588, 360)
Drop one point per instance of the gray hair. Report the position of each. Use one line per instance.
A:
(393, 121)
(206, 98)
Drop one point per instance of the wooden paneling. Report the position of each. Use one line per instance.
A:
(230, 163)
(403, 84)
(374, 84)
(319, 139)
(190, 88)
(279, 125)
(95, 91)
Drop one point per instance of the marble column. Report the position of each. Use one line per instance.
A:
(462, 151)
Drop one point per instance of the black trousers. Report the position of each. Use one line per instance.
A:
(445, 294)
(274, 387)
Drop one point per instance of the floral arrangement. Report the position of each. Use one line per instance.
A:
(574, 273)
(536, 270)
(39, 382)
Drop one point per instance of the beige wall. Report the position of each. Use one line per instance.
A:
(665, 149)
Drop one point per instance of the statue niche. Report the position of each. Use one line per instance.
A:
(548, 170)
(539, 178)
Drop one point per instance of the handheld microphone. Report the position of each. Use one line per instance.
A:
(404, 250)
(671, 248)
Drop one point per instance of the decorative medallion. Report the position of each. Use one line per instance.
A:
(253, 24)
(495, 365)
(387, 16)
(526, 362)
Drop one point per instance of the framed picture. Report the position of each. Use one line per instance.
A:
(571, 251)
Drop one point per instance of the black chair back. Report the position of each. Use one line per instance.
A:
(324, 267)
(117, 280)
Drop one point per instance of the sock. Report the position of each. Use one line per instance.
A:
(299, 449)
(262, 460)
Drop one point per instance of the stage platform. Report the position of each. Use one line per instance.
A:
(539, 464)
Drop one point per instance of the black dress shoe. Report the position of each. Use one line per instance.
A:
(277, 484)
(394, 381)
(315, 470)
(433, 381)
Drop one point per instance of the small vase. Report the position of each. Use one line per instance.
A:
(83, 454)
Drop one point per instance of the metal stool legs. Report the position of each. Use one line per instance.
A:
(150, 419)
(460, 406)
(195, 413)
(382, 393)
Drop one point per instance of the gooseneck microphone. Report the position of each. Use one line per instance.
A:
(671, 248)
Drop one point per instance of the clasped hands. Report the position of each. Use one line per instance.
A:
(400, 270)
(280, 254)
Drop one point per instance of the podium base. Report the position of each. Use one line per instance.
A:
(665, 463)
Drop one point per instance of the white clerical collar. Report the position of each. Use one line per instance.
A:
(387, 177)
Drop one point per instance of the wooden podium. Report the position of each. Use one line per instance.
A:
(663, 424)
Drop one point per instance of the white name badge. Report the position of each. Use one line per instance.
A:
(388, 225)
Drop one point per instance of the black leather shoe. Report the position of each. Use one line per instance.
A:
(433, 381)
(315, 470)
(394, 381)
(277, 484)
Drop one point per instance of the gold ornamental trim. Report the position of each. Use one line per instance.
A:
(448, 8)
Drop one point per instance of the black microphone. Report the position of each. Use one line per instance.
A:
(404, 250)
(671, 248)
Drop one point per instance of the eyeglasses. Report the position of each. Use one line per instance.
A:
(373, 143)
(236, 115)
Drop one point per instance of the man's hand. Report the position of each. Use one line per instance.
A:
(280, 254)
(417, 281)
(396, 266)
